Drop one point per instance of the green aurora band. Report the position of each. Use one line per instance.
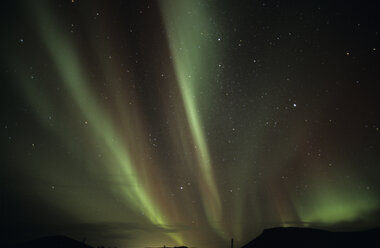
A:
(119, 130)
(186, 26)
(74, 80)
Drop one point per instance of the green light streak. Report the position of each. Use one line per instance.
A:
(69, 69)
(187, 30)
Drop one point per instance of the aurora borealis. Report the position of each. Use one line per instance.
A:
(151, 123)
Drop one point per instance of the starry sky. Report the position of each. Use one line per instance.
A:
(151, 123)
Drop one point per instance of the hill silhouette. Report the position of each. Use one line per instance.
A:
(275, 237)
(52, 242)
(308, 237)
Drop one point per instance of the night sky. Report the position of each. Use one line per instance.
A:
(178, 122)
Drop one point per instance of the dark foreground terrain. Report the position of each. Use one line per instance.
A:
(275, 237)
(52, 242)
(308, 237)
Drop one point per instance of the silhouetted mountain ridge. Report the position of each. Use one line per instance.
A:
(275, 237)
(309, 237)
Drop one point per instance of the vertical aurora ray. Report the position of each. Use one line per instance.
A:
(188, 36)
(181, 122)
(74, 80)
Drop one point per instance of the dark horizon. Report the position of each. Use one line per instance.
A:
(137, 123)
(274, 237)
